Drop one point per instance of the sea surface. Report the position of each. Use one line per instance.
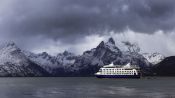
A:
(87, 87)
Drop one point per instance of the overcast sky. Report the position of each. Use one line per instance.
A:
(77, 25)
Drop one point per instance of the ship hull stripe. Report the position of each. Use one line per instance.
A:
(118, 76)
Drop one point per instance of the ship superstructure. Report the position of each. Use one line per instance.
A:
(118, 71)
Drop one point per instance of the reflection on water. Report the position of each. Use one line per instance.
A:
(86, 88)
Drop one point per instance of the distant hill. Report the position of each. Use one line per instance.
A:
(165, 67)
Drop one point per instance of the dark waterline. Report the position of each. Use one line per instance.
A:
(87, 87)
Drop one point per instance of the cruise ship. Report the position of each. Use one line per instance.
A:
(118, 71)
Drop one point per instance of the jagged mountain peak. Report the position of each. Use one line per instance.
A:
(103, 49)
(9, 48)
(110, 45)
(44, 54)
(65, 53)
(111, 40)
(10, 55)
(9, 45)
(101, 44)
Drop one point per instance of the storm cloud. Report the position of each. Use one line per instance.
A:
(64, 18)
(70, 21)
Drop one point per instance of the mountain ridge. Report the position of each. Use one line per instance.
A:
(69, 64)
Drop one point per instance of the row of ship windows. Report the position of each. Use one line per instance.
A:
(113, 69)
(119, 71)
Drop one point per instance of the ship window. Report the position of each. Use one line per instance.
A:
(100, 70)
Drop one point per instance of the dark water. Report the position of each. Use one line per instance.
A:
(88, 87)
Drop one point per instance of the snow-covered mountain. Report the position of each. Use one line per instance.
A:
(66, 58)
(154, 58)
(106, 53)
(14, 63)
(53, 64)
(44, 60)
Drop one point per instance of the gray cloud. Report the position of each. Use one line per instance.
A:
(75, 18)
(70, 21)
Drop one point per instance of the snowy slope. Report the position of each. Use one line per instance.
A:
(52, 63)
(14, 63)
(10, 52)
(66, 59)
(44, 60)
(153, 58)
